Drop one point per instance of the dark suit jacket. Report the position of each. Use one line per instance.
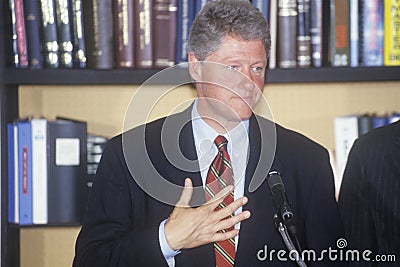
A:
(369, 197)
(121, 223)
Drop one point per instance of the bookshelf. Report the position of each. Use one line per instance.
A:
(138, 76)
(12, 79)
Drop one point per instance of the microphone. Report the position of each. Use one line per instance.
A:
(281, 203)
(279, 195)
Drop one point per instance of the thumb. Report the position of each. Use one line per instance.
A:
(187, 193)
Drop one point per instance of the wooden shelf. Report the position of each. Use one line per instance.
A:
(138, 76)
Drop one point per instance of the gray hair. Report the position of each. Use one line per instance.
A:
(220, 18)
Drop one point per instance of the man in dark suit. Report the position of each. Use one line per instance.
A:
(132, 219)
(369, 199)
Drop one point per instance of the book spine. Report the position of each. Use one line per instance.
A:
(21, 34)
(124, 30)
(79, 49)
(372, 15)
(392, 33)
(64, 33)
(16, 175)
(273, 26)
(184, 21)
(263, 6)
(303, 34)
(32, 20)
(99, 34)
(143, 34)
(354, 37)
(164, 32)
(11, 178)
(345, 132)
(14, 44)
(67, 161)
(287, 27)
(341, 34)
(316, 33)
(198, 5)
(25, 173)
(49, 30)
(39, 171)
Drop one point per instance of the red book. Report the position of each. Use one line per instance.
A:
(143, 34)
(164, 32)
(22, 46)
(123, 31)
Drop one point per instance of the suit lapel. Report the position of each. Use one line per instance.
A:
(259, 229)
(204, 255)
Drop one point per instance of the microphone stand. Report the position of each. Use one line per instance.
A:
(282, 229)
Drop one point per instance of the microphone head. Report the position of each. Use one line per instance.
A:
(274, 179)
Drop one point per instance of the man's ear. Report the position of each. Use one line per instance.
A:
(194, 67)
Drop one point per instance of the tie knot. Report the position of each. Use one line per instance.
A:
(221, 142)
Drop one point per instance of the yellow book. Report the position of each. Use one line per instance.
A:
(392, 33)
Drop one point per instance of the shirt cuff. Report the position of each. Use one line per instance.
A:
(168, 252)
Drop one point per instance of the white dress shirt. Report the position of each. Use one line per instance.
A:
(238, 148)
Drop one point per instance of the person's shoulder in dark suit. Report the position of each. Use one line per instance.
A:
(369, 198)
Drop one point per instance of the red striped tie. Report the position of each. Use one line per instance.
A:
(219, 176)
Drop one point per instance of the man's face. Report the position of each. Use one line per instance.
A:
(230, 82)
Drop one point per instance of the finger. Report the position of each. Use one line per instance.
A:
(186, 195)
(230, 209)
(220, 236)
(219, 197)
(231, 221)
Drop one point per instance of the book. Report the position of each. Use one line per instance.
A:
(32, 23)
(345, 132)
(198, 5)
(39, 171)
(25, 172)
(316, 30)
(273, 27)
(22, 46)
(66, 171)
(12, 152)
(95, 147)
(303, 34)
(340, 33)
(164, 32)
(391, 32)
(13, 35)
(263, 6)
(395, 116)
(185, 18)
(49, 34)
(372, 32)
(354, 37)
(99, 39)
(64, 31)
(79, 48)
(287, 34)
(379, 121)
(123, 31)
(143, 34)
(364, 124)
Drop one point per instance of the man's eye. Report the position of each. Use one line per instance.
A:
(233, 67)
(258, 69)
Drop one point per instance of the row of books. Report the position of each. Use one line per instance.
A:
(348, 128)
(105, 34)
(47, 176)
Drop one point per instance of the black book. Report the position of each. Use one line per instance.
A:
(67, 190)
(99, 37)
(32, 21)
(79, 50)
(49, 30)
(64, 33)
